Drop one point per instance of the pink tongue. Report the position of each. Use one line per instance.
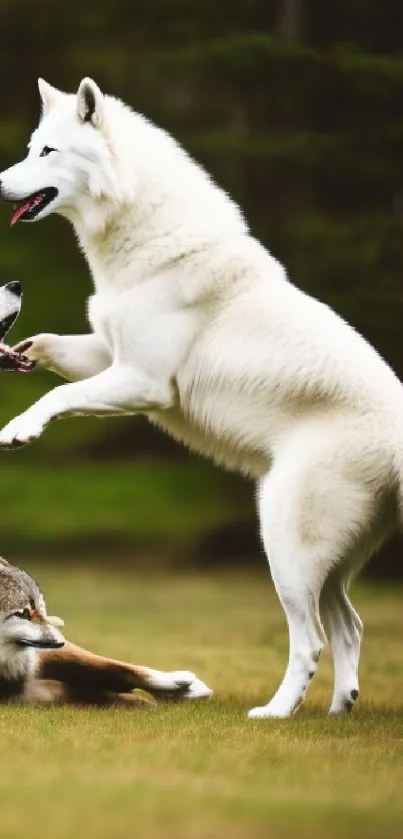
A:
(21, 210)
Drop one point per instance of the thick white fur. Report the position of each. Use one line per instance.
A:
(196, 325)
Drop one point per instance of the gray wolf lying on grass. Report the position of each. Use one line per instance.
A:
(37, 664)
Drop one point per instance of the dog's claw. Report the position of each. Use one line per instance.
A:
(23, 346)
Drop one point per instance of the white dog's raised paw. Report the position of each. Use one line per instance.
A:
(38, 348)
(20, 431)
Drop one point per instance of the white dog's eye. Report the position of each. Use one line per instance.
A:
(46, 150)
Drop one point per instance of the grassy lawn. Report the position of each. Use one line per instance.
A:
(203, 771)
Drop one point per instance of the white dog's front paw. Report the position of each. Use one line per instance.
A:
(38, 348)
(21, 430)
(269, 711)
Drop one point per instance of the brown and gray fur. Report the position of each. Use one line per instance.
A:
(37, 664)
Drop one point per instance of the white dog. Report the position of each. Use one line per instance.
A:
(196, 325)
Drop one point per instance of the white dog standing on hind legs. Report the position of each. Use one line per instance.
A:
(195, 325)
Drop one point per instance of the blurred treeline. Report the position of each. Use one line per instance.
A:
(296, 108)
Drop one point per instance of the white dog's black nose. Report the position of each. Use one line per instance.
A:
(14, 287)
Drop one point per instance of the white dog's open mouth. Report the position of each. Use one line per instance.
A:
(14, 361)
(28, 208)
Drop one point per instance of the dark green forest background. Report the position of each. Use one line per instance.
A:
(296, 107)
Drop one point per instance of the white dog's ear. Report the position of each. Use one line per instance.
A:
(90, 103)
(49, 95)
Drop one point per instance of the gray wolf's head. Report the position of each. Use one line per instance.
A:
(24, 623)
(10, 305)
(70, 157)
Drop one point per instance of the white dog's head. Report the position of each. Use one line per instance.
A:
(69, 158)
(92, 159)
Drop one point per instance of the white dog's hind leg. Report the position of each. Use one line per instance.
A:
(118, 390)
(344, 631)
(298, 581)
(306, 638)
(73, 357)
(311, 518)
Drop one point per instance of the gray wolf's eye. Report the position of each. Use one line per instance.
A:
(25, 614)
(46, 150)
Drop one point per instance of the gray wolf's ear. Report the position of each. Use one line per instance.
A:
(90, 103)
(49, 95)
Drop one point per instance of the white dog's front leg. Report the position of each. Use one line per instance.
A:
(118, 390)
(73, 357)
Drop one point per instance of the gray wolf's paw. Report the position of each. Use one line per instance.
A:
(179, 684)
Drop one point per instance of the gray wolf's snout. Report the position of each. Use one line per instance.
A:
(14, 287)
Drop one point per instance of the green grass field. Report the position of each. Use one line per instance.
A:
(200, 771)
